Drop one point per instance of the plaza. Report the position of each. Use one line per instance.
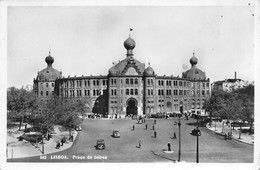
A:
(213, 148)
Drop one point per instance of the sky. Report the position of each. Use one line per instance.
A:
(86, 40)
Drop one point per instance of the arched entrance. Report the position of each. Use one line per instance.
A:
(131, 107)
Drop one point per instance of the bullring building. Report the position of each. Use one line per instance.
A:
(128, 88)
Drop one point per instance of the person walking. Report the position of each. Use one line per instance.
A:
(174, 136)
(145, 126)
(169, 146)
(133, 127)
(154, 121)
(140, 144)
(153, 126)
(62, 141)
(225, 136)
(155, 134)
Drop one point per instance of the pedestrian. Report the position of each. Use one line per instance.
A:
(228, 136)
(62, 141)
(155, 133)
(58, 145)
(174, 135)
(145, 126)
(154, 121)
(225, 136)
(133, 127)
(169, 146)
(140, 144)
(48, 136)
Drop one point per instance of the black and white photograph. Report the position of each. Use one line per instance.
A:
(90, 83)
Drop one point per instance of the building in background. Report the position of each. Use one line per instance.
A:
(229, 85)
(129, 88)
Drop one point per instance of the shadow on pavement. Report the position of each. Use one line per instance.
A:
(200, 123)
(163, 156)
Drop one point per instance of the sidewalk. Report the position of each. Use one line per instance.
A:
(19, 149)
(221, 129)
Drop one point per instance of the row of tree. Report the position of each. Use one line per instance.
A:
(237, 105)
(24, 106)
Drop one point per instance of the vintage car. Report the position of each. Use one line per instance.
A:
(78, 128)
(100, 144)
(116, 134)
(196, 132)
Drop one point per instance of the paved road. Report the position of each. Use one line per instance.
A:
(213, 148)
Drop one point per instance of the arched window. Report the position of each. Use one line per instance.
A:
(136, 91)
(131, 81)
(127, 92)
(127, 81)
(136, 81)
(132, 91)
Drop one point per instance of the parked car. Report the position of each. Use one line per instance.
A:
(195, 132)
(78, 128)
(100, 144)
(31, 137)
(116, 134)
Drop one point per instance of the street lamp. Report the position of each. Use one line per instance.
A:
(179, 154)
(198, 134)
(42, 144)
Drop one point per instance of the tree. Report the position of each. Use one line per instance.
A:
(20, 102)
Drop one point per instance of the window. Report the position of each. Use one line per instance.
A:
(41, 93)
(127, 92)
(180, 83)
(127, 81)
(47, 93)
(131, 81)
(94, 82)
(97, 83)
(136, 81)
(52, 84)
(136, 91)
(104, 82)
(131, 92)
(180, 92)
(47, 85)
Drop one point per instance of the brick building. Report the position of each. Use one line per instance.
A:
(128, 88)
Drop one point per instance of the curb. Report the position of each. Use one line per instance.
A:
(222, 134)
(53, 151)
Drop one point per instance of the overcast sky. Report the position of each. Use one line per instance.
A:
(86, 40)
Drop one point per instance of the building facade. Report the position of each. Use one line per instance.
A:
(229, 85)
(129, 88)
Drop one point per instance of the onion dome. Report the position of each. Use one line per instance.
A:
(129, 43)
(49, 73)
(193, 60)
(149, 71)
(194, 73)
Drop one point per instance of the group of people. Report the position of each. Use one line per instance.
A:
(228, 136)
(63, 140)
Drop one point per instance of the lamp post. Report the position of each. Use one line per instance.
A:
(42, 145)
(179, 154)
(197, 155)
